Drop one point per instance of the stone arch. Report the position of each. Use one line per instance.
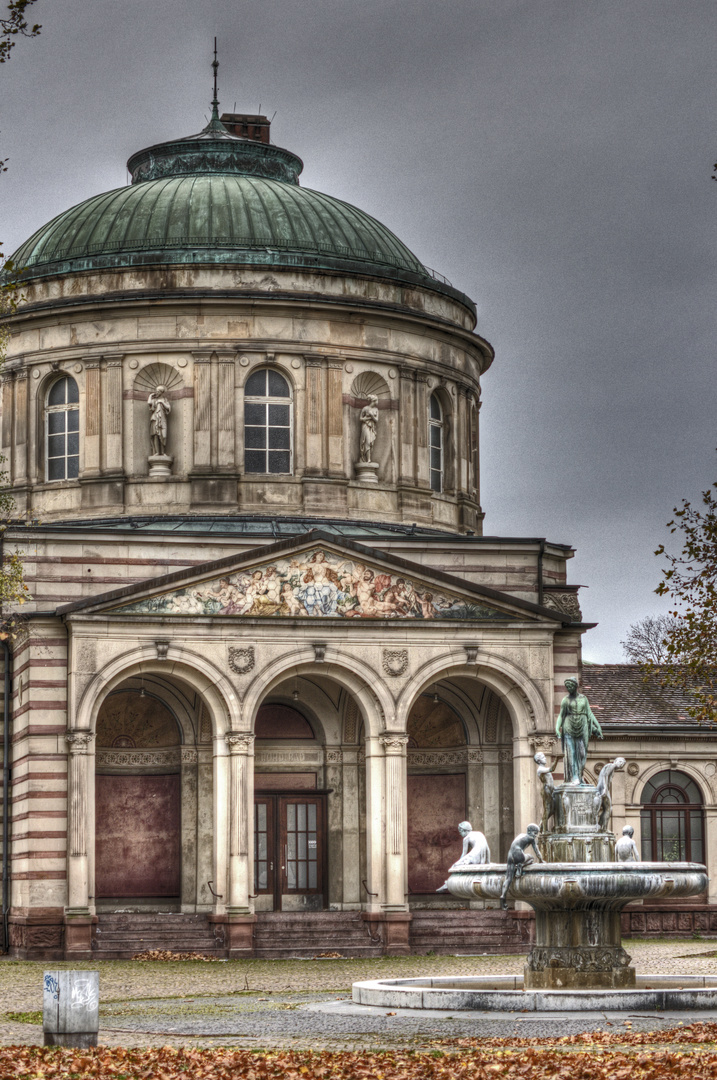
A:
(204, 678)
(372, 697)
(520, 696)
(639, 782)
(257, 363)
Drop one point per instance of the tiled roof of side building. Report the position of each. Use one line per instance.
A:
(622, 694)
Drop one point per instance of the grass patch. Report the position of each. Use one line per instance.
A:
(25, 1017)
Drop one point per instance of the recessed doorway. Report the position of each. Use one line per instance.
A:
(290, 855)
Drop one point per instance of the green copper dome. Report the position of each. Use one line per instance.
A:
(212, 217)
(220, 198)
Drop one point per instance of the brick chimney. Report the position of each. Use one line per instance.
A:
(246, 126)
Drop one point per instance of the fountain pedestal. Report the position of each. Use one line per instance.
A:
(578, 945)
(575, 837)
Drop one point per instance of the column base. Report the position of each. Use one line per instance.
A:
(238, 934)
(394, 928)
(78, 936)
(36, 934)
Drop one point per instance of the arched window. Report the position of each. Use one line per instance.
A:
(435, 443)
(267, 423)
(671, 819)
(62, 430)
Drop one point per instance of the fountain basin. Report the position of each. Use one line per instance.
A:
(662, 993)
(570, 885)
(577, 914)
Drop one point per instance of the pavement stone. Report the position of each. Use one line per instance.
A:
(306, 1004)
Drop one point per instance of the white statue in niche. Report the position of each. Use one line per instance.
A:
(159, 410)
(369, 423)
(475, 850)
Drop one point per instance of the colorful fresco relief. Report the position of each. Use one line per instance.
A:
(314, 584)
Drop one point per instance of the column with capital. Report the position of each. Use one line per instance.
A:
(78, 919)
(395, 916)
(240, 918)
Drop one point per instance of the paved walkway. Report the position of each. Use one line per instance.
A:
(295, 1003)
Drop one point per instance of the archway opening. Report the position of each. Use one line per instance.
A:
(308, 797)
(153, 798)
(460, 767)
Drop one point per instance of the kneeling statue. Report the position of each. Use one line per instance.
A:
(475, 850)
(518, 860)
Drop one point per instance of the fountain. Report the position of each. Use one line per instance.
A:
(577, 885)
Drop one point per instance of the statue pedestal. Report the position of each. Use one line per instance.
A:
(575, 837)
(367, 472)
(160, 466)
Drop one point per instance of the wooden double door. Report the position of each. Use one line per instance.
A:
(290, 849)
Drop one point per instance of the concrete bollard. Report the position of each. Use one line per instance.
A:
(71, 1008)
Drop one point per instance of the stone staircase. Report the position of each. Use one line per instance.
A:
(435, 930)
(119, 936)
(309, 933)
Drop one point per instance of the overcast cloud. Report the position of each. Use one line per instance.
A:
(552, 158)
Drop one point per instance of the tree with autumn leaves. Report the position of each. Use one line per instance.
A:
(689, 582)
(13, 590)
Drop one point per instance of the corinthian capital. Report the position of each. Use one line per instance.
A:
(394, 744)
(239, 742)
(79, 741)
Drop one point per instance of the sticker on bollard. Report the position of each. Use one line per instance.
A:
(71, 1008)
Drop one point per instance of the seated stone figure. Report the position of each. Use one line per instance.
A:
(518, 860)
(475, 850)
(626, 848)
(602, 799)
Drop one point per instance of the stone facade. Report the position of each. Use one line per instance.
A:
(237, 693)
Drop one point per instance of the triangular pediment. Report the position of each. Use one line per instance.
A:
(314, 576)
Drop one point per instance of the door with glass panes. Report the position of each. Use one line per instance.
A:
(290, 850)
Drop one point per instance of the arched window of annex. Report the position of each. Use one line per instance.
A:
(672, 819)
(268, 423)
(62, 430)
(436, 443)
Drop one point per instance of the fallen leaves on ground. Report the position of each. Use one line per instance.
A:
(166, 954)
(699, 1034)
(592, 1056)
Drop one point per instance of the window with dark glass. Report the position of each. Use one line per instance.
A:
(435, 443)
(671, 819)
(62, 430)
(267, 423)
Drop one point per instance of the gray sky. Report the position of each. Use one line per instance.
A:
(552, 158)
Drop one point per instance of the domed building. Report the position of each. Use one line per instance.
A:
(270, 660)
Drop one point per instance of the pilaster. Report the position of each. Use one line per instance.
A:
(394, 747)
(113, 463)
(202, 457)
(315, 418)
(239, 920)
(93, 420)
(78, 917)
(407, 434)
(334, 415)
(19, 463)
